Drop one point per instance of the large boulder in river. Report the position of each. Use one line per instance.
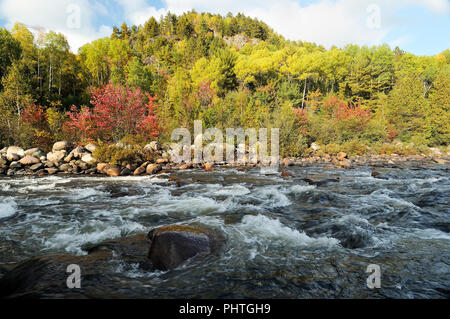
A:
(173, 245)
(14, 150)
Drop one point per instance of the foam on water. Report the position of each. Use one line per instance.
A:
(73, 237)
(5, 187)
(271, 196)
(189, 204)
(262, 228)
(83, 193)
(302, 188)
(233, 190)
(8, 207)
(37, 187)
(431, 234)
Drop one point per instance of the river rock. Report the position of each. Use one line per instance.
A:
(29, 160)
(345, 163)
(440, 161)
(153, 169)
(315, 147)
(341, 156)
(36, 152)
(186, 166)
(51, 171)
(286, 174)
(15, 165)
(83, 165)
(125, 172)
(65, 167)
(56, 156)
(14, 150)
(173, 245)
(101, 167)
(321, 182)
(89, 159)
(61, 146)
(77, 153)
(112, 170)
(153, 146)
(37, 166)
(91, 147)
(139, 171)
(13, 157)
(287, 162)
(162, 161)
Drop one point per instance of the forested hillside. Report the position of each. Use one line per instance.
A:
(233, 71)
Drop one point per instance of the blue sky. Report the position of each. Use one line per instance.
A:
(418, 26)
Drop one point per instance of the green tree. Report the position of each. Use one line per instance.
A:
(407, 107)
(10, 51)
(438, 115)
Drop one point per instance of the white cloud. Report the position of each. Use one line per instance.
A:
(55, 15)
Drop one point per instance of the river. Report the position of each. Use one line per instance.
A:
(284, 237)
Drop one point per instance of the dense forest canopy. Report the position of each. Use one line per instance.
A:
(230, 71)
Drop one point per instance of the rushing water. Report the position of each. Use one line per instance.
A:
(284, 237)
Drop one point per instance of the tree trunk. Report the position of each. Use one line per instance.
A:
(304, 93)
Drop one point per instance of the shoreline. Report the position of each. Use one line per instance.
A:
(64, 160)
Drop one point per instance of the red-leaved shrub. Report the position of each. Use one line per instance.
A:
(117, 111)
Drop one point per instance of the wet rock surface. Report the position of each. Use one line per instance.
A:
(173, 245)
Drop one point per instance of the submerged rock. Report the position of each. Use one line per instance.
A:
(321, 182)
(286, 174)
(173, 245)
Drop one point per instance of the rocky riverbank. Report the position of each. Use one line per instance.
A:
(66, 158)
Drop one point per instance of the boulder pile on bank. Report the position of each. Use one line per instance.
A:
(66, 158)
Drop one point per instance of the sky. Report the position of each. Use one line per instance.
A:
(421, 27)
